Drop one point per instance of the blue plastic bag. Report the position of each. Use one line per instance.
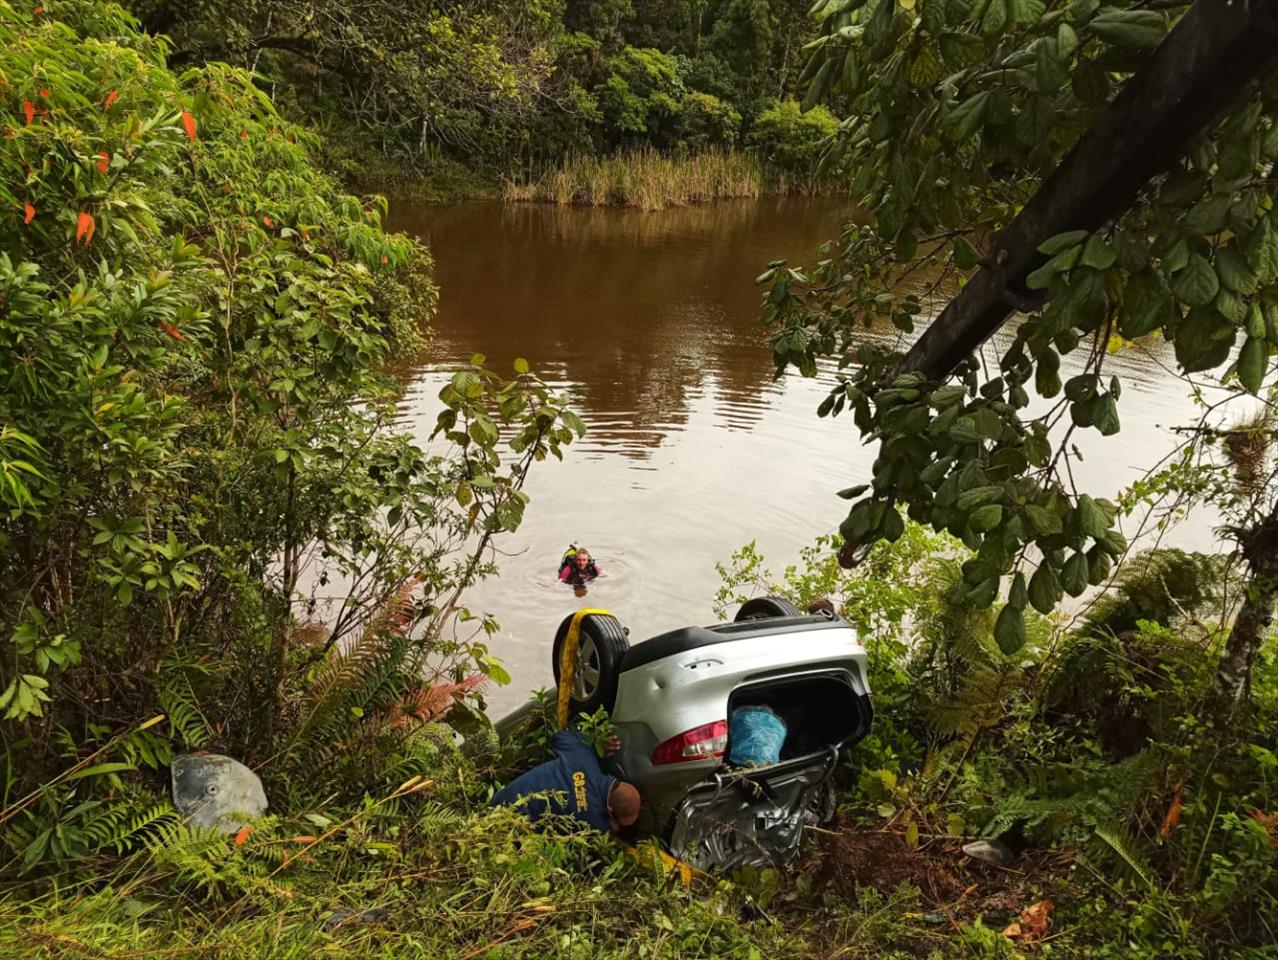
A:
(757, 735)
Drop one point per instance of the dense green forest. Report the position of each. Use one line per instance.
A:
(471, 92)
(217, 536)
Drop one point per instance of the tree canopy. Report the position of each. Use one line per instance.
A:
(956, 110)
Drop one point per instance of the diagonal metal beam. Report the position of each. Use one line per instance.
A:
(1202, 66)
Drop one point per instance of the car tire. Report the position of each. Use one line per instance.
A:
(603, 644)
(761, 608)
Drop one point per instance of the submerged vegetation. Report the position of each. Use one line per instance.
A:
(647, 179)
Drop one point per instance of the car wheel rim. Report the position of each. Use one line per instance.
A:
(585, 678)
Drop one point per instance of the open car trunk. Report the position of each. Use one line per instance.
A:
(755, 815)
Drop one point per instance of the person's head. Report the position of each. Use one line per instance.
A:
(623, 805)
(822, 605)
(582, 558)
(579, 590)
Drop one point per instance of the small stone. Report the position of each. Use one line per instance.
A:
(210, 790)
(342, 917)
(994, 852)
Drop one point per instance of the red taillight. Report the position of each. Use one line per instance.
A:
(699, 743)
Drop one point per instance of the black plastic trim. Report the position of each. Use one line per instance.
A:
(693, 638)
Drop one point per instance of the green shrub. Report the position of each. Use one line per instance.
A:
(791, 141)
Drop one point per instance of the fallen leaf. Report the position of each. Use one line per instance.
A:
(1270, 822)
(28, 213)
(104, 162)
(242, 836)
(171, 330)
(113, 96)
(28, 111)
(84, 227)
(1036, 918)
(188, 124)
(1012, 931)
(1173, 813)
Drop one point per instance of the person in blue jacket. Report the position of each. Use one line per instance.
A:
(573, 783)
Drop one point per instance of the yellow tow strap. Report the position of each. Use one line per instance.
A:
(568, 662)
(648, 854)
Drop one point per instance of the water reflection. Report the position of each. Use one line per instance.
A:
(644, 311)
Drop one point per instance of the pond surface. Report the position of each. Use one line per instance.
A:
(650, 321)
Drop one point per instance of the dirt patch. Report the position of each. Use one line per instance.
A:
(951, 885)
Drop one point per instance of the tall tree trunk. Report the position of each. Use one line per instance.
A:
(1232, 684)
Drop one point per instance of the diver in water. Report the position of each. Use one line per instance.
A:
(578, 568)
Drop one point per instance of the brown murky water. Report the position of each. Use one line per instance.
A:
(650, 321)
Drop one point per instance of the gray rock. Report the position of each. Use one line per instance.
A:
(994, 852)
(210, 790)
(342, 917)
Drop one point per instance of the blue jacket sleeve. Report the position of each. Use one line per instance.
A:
(572, 747)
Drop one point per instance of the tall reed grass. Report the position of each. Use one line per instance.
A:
(646, 179)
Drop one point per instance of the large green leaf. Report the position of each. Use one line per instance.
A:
(1197, 284)
(1147, 304)
(1252, 363)
(1203, 340)
(1135, 29)
(1009, 629)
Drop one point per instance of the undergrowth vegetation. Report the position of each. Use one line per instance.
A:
(1087, 753)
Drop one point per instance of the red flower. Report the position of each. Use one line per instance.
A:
(104, 162)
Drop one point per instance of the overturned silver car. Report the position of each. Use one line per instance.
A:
(672, 697)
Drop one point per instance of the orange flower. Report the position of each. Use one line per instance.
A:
(242, 836)
(28, 110)
(104, 162)
(84, 227)
(28, 213)
(113, 96)
(171, 330)
(188, 124)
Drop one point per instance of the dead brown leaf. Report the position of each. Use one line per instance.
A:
(1032, 925)
(1173, 813)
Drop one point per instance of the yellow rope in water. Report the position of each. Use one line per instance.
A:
(568, 662)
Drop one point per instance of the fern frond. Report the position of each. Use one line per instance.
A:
(1112, 839)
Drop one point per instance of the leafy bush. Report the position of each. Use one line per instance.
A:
(205, 501)
(793, 141)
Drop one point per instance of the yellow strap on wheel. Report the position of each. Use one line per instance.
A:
(568, 662)
(653, 857)
(648, 854)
